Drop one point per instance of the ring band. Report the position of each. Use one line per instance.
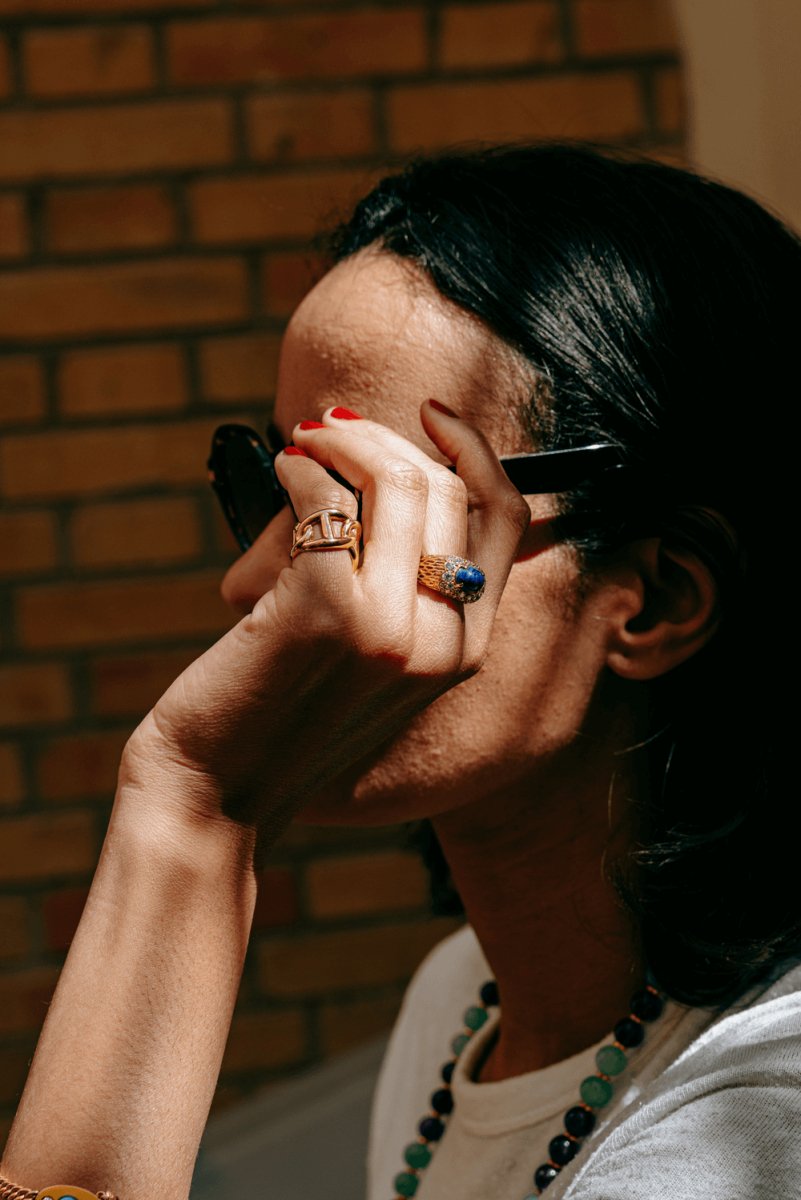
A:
(458, 578)
(305, 535)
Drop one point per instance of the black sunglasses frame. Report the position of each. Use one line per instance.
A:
(539, 473)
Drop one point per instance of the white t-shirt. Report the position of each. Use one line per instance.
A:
(709, 1107)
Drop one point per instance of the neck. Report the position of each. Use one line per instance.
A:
(528, 867)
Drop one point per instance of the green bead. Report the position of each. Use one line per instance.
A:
(406, 1183)
(459, 1042)
(610, 1060)
(417, 1155)
(475, 1017)
(596, 1092)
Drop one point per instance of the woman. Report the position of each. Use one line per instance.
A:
(598, 739)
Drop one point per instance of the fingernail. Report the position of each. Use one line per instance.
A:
(311, 425)
(295, 450)
(344, 414)
(443, 408)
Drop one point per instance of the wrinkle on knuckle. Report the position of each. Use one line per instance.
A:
(515, 510)
(407, 478)
(450, 488)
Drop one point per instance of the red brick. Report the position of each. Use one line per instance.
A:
(240, 368)
(85, 462)
(500, 34)
(277, 899)
(118, 380)
(45, 845)
(15, 939)
(11, 786)
(168, 134)
(14, 1064)
(24, 997)
(570, 106)
(5, 68)
(61, 912)
(612, 27)
(21, 390)
(76, 8)
(346, 1024)
(264, 49)
(297, 125)
(264, 1040)
(367, 883)
(88, 61)
(130, 684)
(287, 278)
(670, 100)
(33, 694)
(256, 208)
(135, 532)
(13, 226)
(137, 217)
(319, 963)
(166, 294)
(81, 766)
(28, 541)
(102, 614)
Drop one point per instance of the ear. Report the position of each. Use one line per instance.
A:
(666, 610)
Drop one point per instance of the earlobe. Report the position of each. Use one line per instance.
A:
(668, 611)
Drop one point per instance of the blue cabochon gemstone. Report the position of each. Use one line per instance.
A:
(470, 578)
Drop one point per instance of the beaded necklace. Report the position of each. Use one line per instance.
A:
(579, 1121)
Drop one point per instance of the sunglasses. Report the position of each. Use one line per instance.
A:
(242, 472)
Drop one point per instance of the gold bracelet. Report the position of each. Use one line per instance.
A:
(59, 1191)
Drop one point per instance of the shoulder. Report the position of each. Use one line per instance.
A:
(721, 1121)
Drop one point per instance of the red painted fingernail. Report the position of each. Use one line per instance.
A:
(443, 408)
(344, 414)
(311, 425)
(295, 450)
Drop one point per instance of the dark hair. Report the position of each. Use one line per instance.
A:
(659, 310)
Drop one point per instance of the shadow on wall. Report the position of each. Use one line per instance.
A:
(300, 1139)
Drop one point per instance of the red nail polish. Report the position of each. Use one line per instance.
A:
(443, 408)
(311, 425)
(295, 450)
(344, 414)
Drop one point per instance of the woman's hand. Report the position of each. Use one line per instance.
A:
(331, 663)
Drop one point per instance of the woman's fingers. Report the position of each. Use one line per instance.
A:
(498, 514)
(394, 506)
(445, 530)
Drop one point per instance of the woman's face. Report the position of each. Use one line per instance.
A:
(375, 336)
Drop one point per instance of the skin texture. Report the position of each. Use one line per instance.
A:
(525, 766)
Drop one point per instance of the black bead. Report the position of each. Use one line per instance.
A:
(579, 1121)
(629, 1032)
(431, 1128)
(447, 1071)
(545, 1175)
(562, 1149)
(442, 1100)
(646, 1005)
(489, 993)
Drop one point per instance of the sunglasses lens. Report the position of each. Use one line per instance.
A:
(251, 482)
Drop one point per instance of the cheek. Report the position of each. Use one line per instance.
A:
(525, 705)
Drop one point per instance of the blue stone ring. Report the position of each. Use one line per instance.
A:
(452, 576)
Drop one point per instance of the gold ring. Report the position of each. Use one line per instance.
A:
(452, 576)
(305, 535)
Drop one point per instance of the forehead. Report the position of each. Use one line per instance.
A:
(376, 336)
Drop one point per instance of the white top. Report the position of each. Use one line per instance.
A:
(709, 1107)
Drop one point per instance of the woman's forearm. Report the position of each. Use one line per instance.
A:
(126, 1065)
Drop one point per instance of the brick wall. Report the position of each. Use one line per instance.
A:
(163, 164)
